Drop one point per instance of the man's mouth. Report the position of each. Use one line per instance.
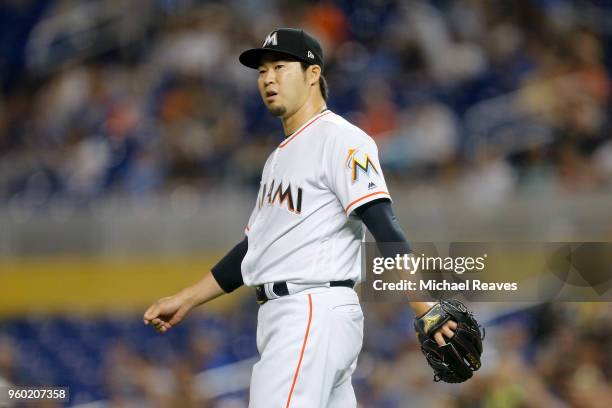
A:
(270, 94)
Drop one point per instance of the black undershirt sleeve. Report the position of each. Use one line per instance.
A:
(227, 272)
(382, 223)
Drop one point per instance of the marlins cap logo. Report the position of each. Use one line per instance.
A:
(271, 39)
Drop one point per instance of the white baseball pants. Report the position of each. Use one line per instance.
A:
(309, 343)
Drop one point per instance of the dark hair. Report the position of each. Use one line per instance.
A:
(322, 82)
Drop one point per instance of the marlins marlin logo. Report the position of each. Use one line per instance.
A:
(359, 162)
(271, 39)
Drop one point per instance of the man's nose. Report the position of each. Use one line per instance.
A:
(269, 77)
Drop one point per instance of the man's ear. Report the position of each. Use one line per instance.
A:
(314, 73)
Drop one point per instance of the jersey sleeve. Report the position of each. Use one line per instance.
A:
(354, 172)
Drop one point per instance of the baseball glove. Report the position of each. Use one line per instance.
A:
(456, 361)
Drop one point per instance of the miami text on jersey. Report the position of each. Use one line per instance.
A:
(281, 196)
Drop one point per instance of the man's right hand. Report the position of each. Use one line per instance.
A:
(168, 311)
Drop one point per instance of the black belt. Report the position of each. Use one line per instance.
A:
(281, 289)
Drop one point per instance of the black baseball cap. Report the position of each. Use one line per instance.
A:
(290, 41)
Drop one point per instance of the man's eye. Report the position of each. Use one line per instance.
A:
(278, 66)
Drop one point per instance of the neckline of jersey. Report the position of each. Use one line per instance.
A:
(303, 127)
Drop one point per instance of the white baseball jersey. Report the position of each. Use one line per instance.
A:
(302, 229)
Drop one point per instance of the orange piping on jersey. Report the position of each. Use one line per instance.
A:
(302, 129)
(297, 370)
(363, 198)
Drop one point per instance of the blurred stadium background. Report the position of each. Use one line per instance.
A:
(131, 142)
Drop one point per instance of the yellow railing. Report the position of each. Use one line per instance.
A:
(94, 285)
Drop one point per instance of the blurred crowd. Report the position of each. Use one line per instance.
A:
(488, 97)
(117, 359)
(548, 356)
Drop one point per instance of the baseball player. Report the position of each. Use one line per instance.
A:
(301, 250)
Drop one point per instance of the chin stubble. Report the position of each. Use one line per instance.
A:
(277, 110)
